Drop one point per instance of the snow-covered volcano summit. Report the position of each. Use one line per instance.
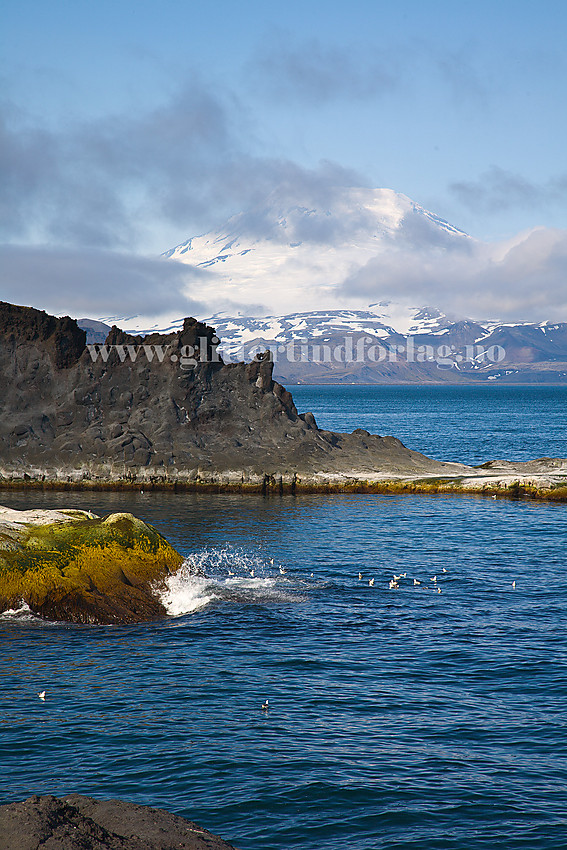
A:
(289, 254)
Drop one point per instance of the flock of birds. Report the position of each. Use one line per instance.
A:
(394, 582)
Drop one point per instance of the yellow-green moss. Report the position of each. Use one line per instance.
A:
(95, 568)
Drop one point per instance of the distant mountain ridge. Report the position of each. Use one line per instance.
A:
(315, 347)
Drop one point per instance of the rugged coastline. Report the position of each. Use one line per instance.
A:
(72, 419)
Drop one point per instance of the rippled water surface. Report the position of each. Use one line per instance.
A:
(468, 424)
(397, 718)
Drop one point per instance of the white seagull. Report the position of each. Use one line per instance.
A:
(41, 695)
(265, 705)
(416, 582)
(371, 583)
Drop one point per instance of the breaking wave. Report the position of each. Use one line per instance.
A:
(23, 614)
(226, 575)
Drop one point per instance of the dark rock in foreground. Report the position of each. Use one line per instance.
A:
(82, 823)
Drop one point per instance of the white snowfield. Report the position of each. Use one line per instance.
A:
(284, 254)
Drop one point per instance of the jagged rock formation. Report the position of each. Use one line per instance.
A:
(67, 417)
(76, 567)
(164, 410)
(53, 823)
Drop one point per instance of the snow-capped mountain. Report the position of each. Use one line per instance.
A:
(385, 319)
(295, 254)
(300, 276)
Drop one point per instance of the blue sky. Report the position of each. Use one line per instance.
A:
(129, 126)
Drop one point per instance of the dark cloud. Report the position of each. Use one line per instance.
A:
(521, 279)
(498, 190)
(313, 73)
(108, 183)
(93, 283)
(102, 183)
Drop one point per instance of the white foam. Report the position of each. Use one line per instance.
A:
(185, 592)
(21, 614)
(226, 575)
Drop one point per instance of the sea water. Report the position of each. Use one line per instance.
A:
(397, 718)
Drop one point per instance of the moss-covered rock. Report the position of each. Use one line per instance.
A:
(77, 567)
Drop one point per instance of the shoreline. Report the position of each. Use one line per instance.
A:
(514, 490)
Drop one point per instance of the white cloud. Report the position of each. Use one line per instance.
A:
(523, 278)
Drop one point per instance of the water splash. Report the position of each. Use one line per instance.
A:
(23, 614)
(229, 562)
(227, 575)
(185, 592)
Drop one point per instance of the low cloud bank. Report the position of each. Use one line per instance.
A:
(95, 283)
(520, 279)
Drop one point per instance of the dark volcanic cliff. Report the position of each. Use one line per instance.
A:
(66, 414)
(164, 410)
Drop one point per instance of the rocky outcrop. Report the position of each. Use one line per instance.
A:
(165, 411)
(76, 822)
(77, 567)
(163, 408)
(30, 331)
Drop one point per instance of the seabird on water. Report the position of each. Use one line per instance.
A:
(265, 705)
(41, 695)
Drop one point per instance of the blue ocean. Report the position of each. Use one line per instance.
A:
(431, 716)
